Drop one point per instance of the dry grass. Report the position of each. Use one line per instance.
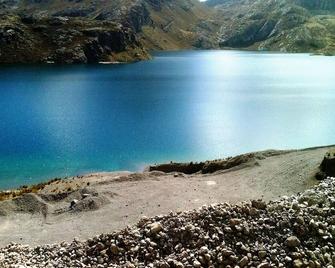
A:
(9, 194)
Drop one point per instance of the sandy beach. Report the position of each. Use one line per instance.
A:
(119, 199)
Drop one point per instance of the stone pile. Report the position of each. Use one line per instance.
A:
(296, 231)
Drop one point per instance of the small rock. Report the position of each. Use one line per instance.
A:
(262, 254)
(73, 203)
(243, 262)
(259, 204)
(155, 228)
(298, 263)
(292, 242)
(114, 249)
(196, 264)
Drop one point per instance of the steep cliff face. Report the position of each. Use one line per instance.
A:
(285, 25)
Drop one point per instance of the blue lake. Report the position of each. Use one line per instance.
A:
(57, 121)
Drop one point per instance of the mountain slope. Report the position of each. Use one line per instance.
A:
(283, 25)
(84, 31)
(62, 40)
(180, 24)
(90, 31)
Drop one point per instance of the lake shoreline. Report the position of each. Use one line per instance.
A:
(157, 111)
(64, 209)
(188, 168)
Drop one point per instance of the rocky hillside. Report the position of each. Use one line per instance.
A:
(82, 31)
(180, 24)
(66, 40)
(284, 25)
(326, 5)
(94, 31)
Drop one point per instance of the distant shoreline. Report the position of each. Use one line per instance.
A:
(172, 166)
(150, 55)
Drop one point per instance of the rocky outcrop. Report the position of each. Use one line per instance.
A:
(137, 17)
(53, 31)
(252, 33)
(31, 39)
(133, 16)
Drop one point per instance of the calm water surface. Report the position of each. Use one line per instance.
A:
(59, 121)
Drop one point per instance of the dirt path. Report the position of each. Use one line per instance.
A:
(112, 201)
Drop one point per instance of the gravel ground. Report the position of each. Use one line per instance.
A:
(295, 231)
(121, 199)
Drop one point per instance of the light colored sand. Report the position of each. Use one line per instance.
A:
(132, 195)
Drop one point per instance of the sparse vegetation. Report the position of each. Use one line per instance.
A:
(4, 195)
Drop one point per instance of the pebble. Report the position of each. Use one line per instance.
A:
(292, 241)
(156, 227)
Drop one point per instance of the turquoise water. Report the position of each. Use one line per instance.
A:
(58, 121)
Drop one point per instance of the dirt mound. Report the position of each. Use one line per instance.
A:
(90, 203)
(187, 168)
(30, 203)
(27, 203)
(138, 176)
(215, 165)
(6, 208)
(67, 196)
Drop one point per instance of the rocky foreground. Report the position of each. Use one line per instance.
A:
(296, 231)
